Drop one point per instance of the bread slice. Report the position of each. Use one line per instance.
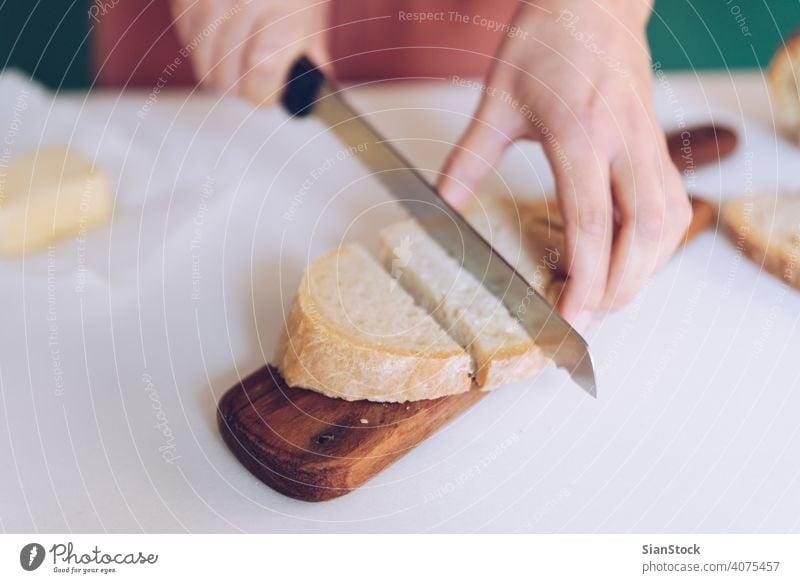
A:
(353, 333)
(783, 80)
(49, 195)
(767, 230)
(501, 349)
(529, 234)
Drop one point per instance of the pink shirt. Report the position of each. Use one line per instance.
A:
(134, 46)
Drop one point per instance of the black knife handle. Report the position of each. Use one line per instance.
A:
(302, 85)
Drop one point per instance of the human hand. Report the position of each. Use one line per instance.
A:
(576, 76)
(246, 47)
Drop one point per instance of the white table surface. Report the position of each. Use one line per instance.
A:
(696, 427)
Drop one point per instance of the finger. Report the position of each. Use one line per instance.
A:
(274, 45)
(188, 18)
(476, 153)
(654, 212)
(584, 197)
(317, 51)
(228, 52)
(184, 13)
(198, 37)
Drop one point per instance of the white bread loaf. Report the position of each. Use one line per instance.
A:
(352, 333)
(767, 230)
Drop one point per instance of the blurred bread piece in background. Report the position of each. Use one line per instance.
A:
(766, 229)
(783, 80)
(49, 195)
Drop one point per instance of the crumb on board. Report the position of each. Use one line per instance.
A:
(365, 421)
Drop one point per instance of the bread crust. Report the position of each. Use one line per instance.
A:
(510, 364)
(777, 257)
(313, 354)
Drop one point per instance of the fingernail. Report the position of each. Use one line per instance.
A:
(583, 321)
(457, 199)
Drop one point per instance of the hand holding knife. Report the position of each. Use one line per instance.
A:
(309, 92)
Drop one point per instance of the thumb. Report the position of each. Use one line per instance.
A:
(473, 158)
(264, 77)
(273, 48)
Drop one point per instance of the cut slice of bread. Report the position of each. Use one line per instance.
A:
(501, 349)
(353, 333)
(767, 230)
(529, 234)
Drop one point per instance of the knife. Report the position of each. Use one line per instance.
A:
(309, 92)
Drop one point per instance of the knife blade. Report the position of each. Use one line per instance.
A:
(309, 92)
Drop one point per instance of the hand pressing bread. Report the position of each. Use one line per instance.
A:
(624, 204)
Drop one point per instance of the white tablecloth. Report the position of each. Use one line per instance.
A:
(114, 348)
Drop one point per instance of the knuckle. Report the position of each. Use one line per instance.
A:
(597, 105)
(637, 123)
(620, 298)
(650, 224)
(605, 133)
(260, 59)
(576, 122)
(634, 124)
(204, 7)
(593, 220)
(265, 56)
(681, 214)
(551, 104)
(258, 94)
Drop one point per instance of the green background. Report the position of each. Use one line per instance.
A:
(51, 38)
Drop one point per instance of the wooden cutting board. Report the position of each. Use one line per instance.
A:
(314, 448)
